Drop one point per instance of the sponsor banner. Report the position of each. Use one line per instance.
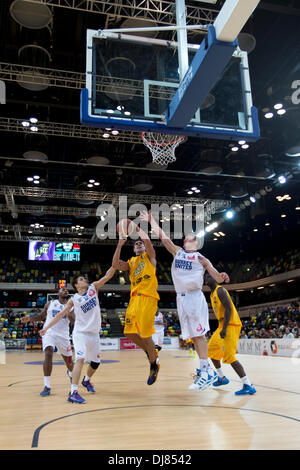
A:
(127, 344)
(109, 344)
(270, 347)
(171, 342)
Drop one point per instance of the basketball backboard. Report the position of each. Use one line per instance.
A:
(131, 81)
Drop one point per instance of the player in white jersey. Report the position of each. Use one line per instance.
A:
(187, 270)
(86, 339)
(58, 337)
(159, 325)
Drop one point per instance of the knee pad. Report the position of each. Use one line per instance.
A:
(94, 365)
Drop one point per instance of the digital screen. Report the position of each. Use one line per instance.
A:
(51, 251)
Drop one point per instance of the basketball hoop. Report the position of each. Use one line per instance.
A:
(162, 146)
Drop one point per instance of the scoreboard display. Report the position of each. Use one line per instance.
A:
(51, 251)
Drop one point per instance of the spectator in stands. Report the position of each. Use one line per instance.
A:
(288, 333)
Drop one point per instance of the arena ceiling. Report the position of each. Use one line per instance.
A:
(63, 162)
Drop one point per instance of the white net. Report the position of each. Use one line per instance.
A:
(162, 146)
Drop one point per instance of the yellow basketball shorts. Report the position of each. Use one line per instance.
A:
(140, 316)
(226, 348)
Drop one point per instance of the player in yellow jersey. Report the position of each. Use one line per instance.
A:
(140, 314)
(224, 341)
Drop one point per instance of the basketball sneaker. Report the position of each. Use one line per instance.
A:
(75, 397)
(153, 374)
(246, 390)
(220, 381)
(45, 392)
(202, 379)
(87, 384)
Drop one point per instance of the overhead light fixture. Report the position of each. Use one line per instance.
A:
(217, 234)
(252, 199)
(281, 179)
(91, 181)
(245, 146)
(36, 181)
(115, 132)
(127, 113)
(283, 215)
(260, 287)
(190, 192)
(255, 230)
(281, 112)
(194, 188)
(96, 183)
(25, 123)
(90, 185)
(34, 128)
(242, 142)
(29, 178)
(278, 106)
(211, 227)
(269, 115)
(33, 120)
(222, 234)
(267, 224)
(229, 214)
(234, 149)
(106, 136)
(297, 208)
(36, 177)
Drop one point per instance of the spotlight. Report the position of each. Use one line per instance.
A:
(235, 149)
(278, 106)
(269, 115)
(33, 120)
(115, 132)
(229, 214)
(36, 177)
(36, 181)
(245, 146)
(242, 142)
(34, 128)
(25, 123)
(252, 199)
(29, 178)
(105, 136)
(281, 112)
(281, 179)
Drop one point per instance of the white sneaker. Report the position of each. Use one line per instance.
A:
(202, 381)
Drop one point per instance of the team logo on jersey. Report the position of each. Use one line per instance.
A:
(199, 328)
(191, 257)
(92, 292)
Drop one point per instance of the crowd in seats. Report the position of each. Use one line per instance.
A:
(280, 322)
(11, 326)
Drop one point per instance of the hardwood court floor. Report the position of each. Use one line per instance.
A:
(126, 413)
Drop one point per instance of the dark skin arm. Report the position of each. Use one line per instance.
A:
(222, 294)
(38, 317)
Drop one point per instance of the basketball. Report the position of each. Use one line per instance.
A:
(125, 227)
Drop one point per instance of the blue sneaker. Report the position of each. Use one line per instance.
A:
(75, 398)
(221, 381)
(153, 374)
(45, 392)
(87, 384)
(246, 390)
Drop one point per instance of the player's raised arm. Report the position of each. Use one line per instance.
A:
(167, 242)
(59, 316)
(117, 263)
(219, 277)
(110, 273)
(38, 317)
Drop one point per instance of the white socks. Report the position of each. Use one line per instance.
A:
(246, 381)
(74, 388)
(204, 364)
(220, 373)
(47, 381)
(86, 378)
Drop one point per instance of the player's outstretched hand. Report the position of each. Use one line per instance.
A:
(225, 277)
(42, 332)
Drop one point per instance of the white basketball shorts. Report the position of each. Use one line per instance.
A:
(193, 314)
(62, 343)
(87, 346)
